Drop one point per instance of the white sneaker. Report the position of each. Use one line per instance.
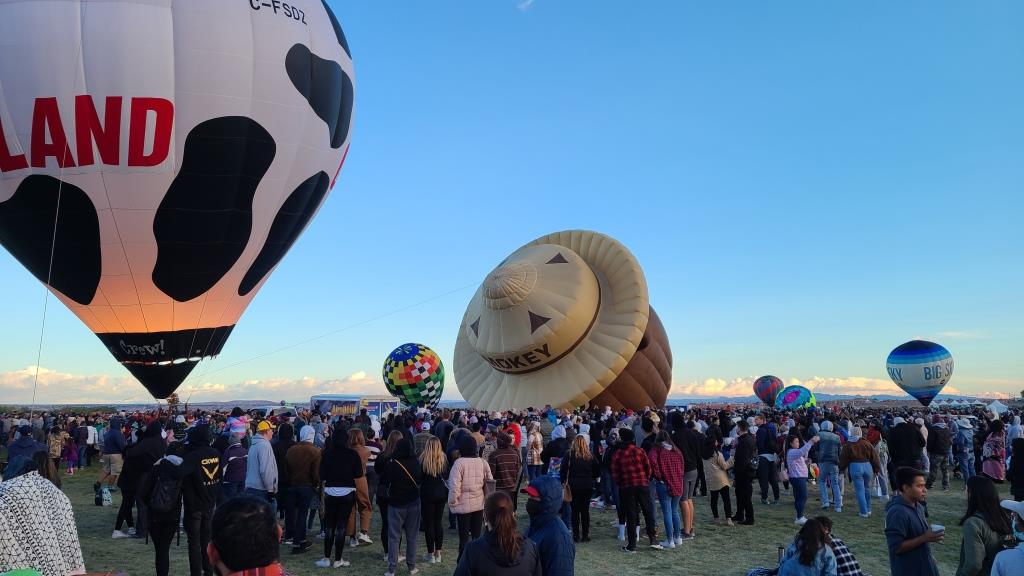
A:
(801, 521)
(389, 574)
(678, 540)
(324, 563)
(658, 546)
(131, 531)
(365, 538)
(353, 543)
(414, 572)
(668, 544)
(341, 563)
(119, 534)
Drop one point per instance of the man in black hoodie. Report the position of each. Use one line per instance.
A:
(199, 488)
(285, 440)
(746, 452)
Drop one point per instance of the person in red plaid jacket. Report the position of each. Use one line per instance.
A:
(631, 471)
(668, 470)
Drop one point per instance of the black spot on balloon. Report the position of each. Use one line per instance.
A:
(204, 221)
(557, 259)
(290, 221)
(337, 29)
(326, 87)
(27, 231)
(536, 321)
(476, 327)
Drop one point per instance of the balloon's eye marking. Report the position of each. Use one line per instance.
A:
(26, 230)
(326, 87)
(337, 29)
(289, 223)
(476, 327)
(203, 223)
(557, 259)
(536, 321)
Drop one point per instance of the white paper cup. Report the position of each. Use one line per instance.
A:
(938, 528)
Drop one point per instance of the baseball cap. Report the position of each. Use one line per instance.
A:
(1016, 507)
(531, 491)
(264, 426)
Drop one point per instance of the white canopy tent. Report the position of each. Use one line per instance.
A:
(997, 408)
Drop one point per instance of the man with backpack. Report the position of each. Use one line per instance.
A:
(161, 491)
(199, 490)
(767, 454)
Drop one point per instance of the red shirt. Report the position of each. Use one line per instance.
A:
(630, 467)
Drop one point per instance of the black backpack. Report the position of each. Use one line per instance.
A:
(165, 493)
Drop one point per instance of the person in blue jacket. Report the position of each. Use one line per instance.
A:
(547, 531)
(25, 445)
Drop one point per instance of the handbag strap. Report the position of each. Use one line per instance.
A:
(414, 483)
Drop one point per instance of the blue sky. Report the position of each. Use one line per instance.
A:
(806, 184)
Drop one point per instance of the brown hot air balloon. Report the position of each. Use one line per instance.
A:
(648, 375)
(560, 322)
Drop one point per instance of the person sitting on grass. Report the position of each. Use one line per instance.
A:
(846, 563)
(809, 554)
(245, 539)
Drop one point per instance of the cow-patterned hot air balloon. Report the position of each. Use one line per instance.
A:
(159, 158)
(414, 374)
(767, 388)
(647, 378)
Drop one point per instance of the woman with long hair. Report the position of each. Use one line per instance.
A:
(580, 471)
(382, 499)
(466, 483)
(339, 468)
(534, 446)
(668, 469)
(433, 495)
(809, 554)
(985, 526)
(46, 468)
(502, 551)
(797, 464)
(716, 471)
(993, 453)
(1015, 473)
(363, 508)
(403, 477)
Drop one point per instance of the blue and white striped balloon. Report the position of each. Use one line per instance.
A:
(920, 368)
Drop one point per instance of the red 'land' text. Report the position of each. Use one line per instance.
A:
(95, 141)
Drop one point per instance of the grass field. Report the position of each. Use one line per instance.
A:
(716, 549)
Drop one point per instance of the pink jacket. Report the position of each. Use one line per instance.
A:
(466, 485)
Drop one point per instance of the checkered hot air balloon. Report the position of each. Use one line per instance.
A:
(414, 374)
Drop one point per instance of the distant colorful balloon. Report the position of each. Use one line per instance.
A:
(414, 374)
(920, 368)
(795, 398)
(767, 388)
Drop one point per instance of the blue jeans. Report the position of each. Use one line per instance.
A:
(263, 495)
(966, 465)
(669, 511)
(608, 489)
(862, 472)
(799, 494)
(829, 476)
(534, 470)
(81, 456)
(229, 490)
(300, 498)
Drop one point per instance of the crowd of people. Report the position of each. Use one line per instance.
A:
(316, 479)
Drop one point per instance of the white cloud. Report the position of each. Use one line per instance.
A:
(853, 386)
(64, 388)
(524, 5)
